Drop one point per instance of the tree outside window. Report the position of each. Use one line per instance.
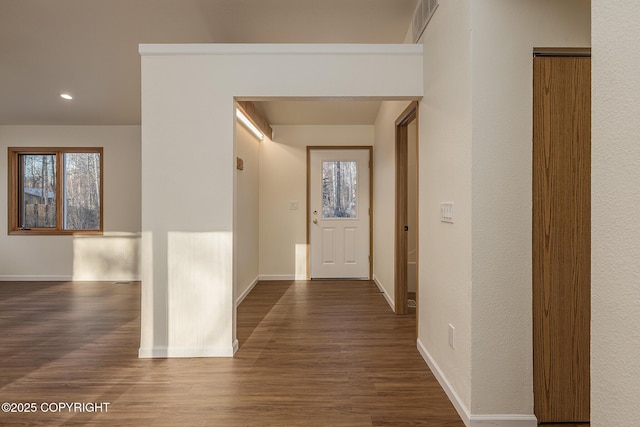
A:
(55, 190)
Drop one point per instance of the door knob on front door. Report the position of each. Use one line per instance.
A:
(315, 220)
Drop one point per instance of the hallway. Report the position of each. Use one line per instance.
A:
(311, 354)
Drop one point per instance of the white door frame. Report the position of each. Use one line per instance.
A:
(308, 210)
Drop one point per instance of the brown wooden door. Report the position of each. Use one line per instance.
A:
(561, 238)
(402, 205)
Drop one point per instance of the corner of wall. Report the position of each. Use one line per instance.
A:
(384, 293)
(455, 399)
(469, 419)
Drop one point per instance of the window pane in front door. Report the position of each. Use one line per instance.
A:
(339, 189)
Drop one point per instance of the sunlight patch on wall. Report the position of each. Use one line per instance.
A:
(301, 261)
(112, 256)
(200, 299)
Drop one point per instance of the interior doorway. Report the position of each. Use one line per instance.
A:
(406, 223)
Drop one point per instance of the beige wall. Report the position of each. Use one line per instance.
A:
(384, 181)
(615, 282)
(445, 176)
(114, 256)
(283, 179)
(246, 213)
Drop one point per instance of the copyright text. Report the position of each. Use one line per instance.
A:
(66, 407)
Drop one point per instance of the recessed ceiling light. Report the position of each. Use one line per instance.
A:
(66, 96)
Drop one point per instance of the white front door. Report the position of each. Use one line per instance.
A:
(339, 213)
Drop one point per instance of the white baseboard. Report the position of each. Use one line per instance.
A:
(384, 293)
(268, 277)
(473, 420)
(43, 278)
(107, 279)
(460, 407)
(246, 292)
(171, 352)
(49, 278)
(503, 420)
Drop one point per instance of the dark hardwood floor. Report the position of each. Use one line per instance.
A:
(311, 354)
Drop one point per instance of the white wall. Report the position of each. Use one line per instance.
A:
(188, 96)
(475, 151)
(246, 224)
(615, 281)
(504, 34)
(445, 176)
(384, 187)
(114, 256)
(283, 179)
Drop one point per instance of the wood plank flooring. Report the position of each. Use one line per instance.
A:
(311, 354)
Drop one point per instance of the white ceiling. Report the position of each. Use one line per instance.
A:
(90, 49)
(319, 112)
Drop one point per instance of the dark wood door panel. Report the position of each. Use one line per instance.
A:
(561, 238)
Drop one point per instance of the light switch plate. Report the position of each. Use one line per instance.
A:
(446, 212)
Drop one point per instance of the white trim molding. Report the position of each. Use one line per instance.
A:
(247, 291)
(473, 420)
(384, 293)
(461, 408)
(274, 277)
(160, 352)
(61, 278)
(135, 278)
(43, 278)
(503, 420)
(279, 49)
